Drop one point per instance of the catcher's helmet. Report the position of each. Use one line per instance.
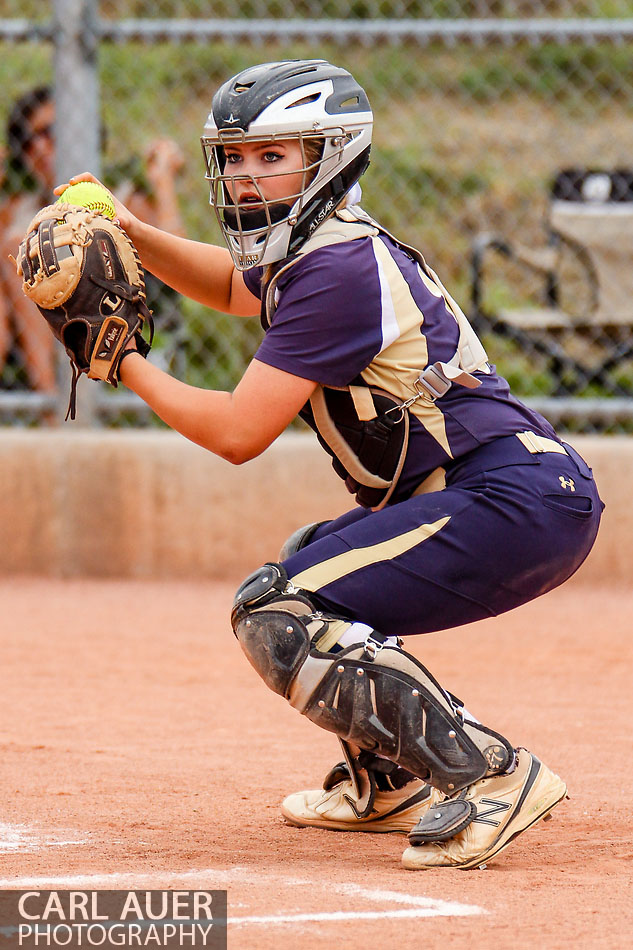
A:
(319, 105)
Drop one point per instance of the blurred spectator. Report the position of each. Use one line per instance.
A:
(26, 183)
(28, 180)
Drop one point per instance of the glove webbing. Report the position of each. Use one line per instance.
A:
(48, 254)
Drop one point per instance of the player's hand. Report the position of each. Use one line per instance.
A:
(124, 216)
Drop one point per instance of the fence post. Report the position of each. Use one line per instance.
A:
(77, 129)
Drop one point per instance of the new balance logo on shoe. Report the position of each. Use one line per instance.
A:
(494, 808)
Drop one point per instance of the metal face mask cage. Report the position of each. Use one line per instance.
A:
(250, 234)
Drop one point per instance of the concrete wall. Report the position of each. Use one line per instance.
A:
(151, 504)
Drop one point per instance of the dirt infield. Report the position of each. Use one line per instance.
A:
(140, 749)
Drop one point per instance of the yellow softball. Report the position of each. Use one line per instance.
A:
(87, 194)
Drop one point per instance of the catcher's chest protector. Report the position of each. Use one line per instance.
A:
(365, 428)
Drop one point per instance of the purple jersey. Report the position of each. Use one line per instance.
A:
(363, 311)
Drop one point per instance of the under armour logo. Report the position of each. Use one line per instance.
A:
(566, 483)
(494, 808)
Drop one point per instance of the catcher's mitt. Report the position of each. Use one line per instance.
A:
(84, 274)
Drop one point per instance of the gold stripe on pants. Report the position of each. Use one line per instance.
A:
(320, 575)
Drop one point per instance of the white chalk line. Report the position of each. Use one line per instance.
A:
(418, 906)
(448, 910)
(28, 840)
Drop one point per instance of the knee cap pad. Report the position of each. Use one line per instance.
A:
(299, 539)
(269, 627)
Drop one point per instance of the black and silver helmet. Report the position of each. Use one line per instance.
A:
(306, 100)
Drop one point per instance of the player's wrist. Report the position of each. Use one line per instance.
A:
(130, 350)
(132, 226)
(141, 234)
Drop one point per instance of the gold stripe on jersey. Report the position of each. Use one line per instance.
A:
(398, 366)
(320, 575)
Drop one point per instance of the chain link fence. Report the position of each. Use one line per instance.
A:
(480, 105)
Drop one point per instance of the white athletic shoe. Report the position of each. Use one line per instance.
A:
(468, 829)
(337, 808)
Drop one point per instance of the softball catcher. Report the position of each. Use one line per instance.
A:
(467, 502)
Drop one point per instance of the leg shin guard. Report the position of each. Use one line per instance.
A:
(377, 697)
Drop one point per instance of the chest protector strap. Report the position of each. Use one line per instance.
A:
(364, 429)
(368, 453)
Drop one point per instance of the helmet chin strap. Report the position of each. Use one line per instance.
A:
(254, 220)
